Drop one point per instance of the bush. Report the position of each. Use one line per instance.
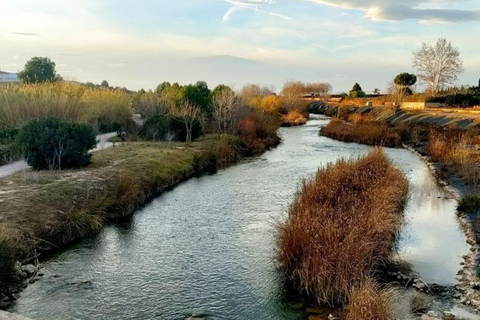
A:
(54, 144)
(342, 226)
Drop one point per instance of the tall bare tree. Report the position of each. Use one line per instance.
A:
(439, 65)
(188, 113)
(224, 104)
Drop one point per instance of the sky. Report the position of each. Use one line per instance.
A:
(139, 44)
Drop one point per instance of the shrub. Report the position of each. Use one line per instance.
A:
(342, 225)
(54, 144)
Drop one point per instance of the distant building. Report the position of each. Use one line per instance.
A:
(6, 77)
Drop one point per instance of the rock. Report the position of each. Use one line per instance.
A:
(29, 269)
(434, 314)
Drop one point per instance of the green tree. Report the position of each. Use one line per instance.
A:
(405, 79)
(54, 144)
(199, 95)
(164, 86)
(105, 84)
(38, 70)
(219, 89)
(356, 91)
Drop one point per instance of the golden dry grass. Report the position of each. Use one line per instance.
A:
(294, 118)
(371, 132)
(71, 102)
(368, 302)
(342, 226)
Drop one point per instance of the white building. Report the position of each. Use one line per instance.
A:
(6, 77)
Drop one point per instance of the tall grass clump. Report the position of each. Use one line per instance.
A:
(342, 226)
(368, 302)
(371, 133)
(103, 108)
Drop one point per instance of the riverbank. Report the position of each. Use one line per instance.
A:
(46, 211)
(448, 146)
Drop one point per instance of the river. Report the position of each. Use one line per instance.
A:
(208, 246)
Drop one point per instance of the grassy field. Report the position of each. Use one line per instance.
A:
(341, 227)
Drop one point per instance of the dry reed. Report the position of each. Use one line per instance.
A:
(342, 226)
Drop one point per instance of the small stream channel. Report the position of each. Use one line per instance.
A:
(208, 246)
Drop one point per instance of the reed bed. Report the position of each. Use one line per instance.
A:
(371, 133)
(103, 108)
(342, 226)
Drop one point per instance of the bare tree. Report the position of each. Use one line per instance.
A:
(439, 65)
(224, 104)
(188, 113)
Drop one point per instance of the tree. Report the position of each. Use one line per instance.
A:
(200, 95)
(356, 91)
(188, 114)
(439, 65)
(376, 92)
(220, 89)
(403, 82)
(105, 84)
(405, 79)
(224, 104)
(54, 144)
(38, 70)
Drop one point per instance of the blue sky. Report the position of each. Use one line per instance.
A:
(142, 43)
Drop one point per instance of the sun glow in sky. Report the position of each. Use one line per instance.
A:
(142, 43)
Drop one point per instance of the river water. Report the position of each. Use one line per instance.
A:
(208, 247)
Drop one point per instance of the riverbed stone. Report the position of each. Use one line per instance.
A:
(29, 269)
